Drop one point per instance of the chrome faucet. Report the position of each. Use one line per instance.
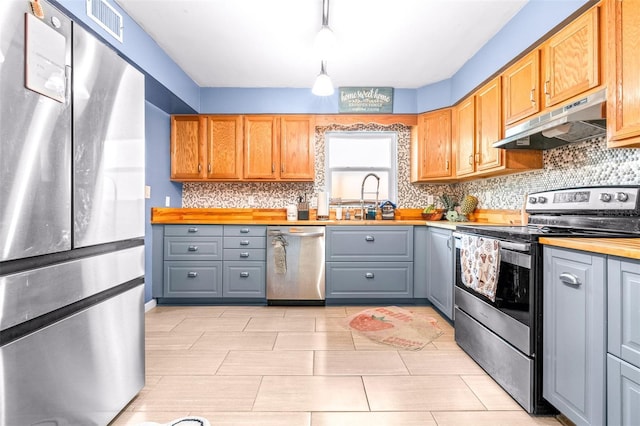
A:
(362, 212)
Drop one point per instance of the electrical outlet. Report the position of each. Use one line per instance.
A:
(429, 199)
(167, 201)
(147, 192)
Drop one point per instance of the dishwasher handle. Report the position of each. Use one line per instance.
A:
(295, 234)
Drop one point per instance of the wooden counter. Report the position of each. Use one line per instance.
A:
(168, 215)
(623, 247)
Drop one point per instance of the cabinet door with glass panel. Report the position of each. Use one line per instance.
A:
(351, 158)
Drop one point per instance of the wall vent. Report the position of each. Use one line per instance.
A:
(107, 17)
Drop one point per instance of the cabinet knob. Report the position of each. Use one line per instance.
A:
(369, 238)
(244, 230)
(532, 96)
(244, 254)
(369, 275)
(546, 88)
(471, 160)
(192, 229)
(193, 248)
(244, 275)
(192, 274)
(244, 242)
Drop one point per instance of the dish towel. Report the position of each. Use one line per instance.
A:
(279, 255)
(480, 264)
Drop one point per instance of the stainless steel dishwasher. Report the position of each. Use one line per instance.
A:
(295, 265)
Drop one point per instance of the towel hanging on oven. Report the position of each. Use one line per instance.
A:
(480, 264)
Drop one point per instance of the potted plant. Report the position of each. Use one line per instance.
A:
(449, 203)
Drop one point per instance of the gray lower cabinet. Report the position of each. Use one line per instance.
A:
(574, 337)
(192, 259)
(244, 273)
(623, 342)
(210, 261)
(366, 262)
(440, 269)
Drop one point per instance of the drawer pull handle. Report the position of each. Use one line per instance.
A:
(244, 230)
(244, 242)
(193, 248)
(192, 229)
(192, 274)
(369, 238)
(369, 275)
(244, 254)
(244, 274)
(570, 279)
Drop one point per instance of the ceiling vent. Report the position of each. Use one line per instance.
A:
(107, 17)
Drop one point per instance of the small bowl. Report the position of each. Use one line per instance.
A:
(436, 215)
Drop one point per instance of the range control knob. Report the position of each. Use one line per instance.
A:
(533, 200)
(542, 200)
(604, 197)
(621, 196)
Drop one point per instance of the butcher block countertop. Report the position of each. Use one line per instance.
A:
(241, 216)
(623, 247)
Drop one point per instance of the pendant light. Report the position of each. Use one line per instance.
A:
(325, 41)
(324, 46)
(323, 85)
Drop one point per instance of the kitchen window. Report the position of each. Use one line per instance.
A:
(350, 156)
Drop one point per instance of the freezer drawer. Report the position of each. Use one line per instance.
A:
(81, 370)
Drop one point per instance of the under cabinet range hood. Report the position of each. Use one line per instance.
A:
(578, 121)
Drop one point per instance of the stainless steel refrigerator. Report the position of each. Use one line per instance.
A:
(71, 222)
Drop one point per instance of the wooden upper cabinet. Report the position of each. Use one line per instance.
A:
(260, 146)
(571, 59)
(521, 83)
(489, 127)
(188, 135)
(224, 147)
(433, 148)
(623, 73)
(464, 131)
(279, 147)
(297, 144)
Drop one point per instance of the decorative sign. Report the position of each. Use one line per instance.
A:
(366, 100)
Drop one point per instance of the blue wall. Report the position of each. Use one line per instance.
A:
(158, 132)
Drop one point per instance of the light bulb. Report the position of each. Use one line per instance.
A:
(323, 85)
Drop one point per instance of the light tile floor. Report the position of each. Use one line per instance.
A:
(300, 366)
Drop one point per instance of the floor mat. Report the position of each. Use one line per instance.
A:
(184, 421)
(395, 326)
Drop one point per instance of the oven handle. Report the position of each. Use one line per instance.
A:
(506, 245)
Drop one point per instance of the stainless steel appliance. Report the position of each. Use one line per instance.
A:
(295, 265)
(575, 122)
(71, 222)
(505, 336)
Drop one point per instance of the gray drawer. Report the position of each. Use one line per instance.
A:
(375, 243)
(244, 279)
(245, 254)
(245, 231)
(369, 279)
(188, 248)
(245, 242)
(192, 279)
(193, 230)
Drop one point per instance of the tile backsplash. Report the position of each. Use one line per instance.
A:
(579, 164)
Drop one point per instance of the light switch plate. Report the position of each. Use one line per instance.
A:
(167, 201)
(147, 192)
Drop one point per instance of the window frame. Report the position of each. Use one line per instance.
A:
(392, 170)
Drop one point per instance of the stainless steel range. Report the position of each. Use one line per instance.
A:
(503, 333)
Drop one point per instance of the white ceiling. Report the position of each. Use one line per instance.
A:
(261, 43)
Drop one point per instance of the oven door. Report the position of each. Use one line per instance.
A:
(512, 314)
